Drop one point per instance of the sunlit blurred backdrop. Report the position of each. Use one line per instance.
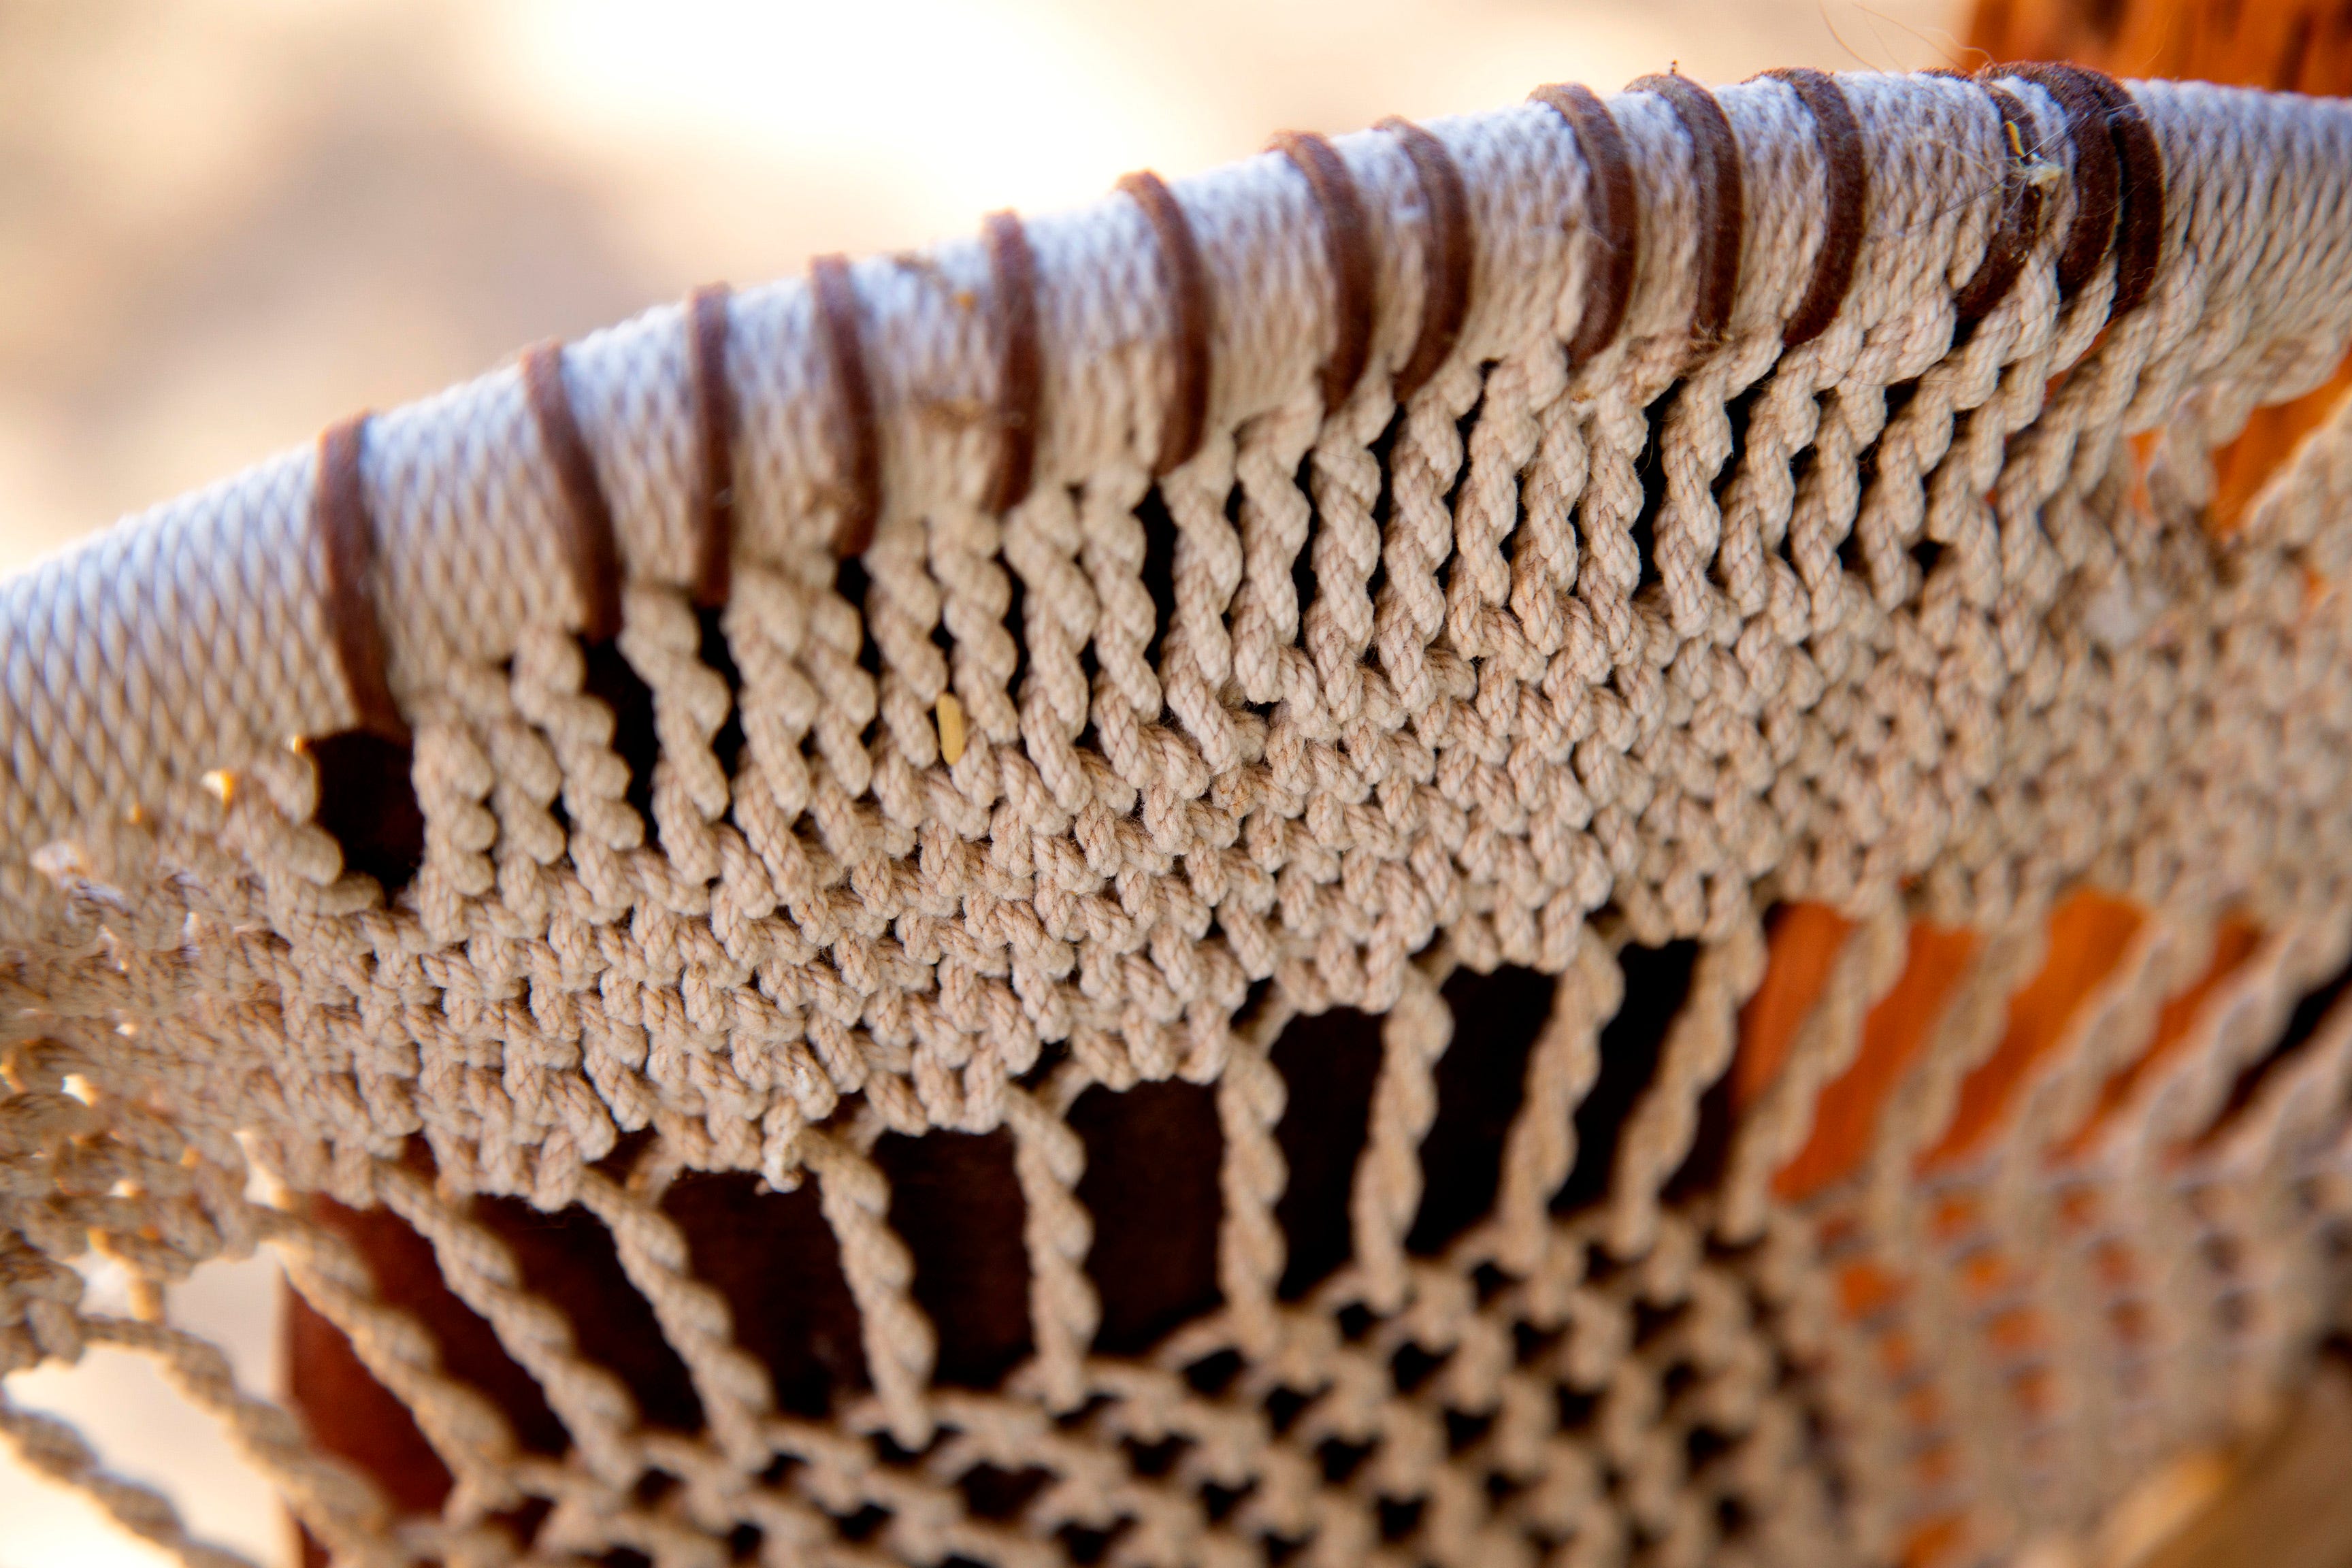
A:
(224, 223)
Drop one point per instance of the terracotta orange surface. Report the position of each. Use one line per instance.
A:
(1897, 1027)
(1933, 1542)
(2088, 934)
(1805, 941)
(1865, 1288)
(2232, 946)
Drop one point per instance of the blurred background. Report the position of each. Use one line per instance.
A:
(224, 223)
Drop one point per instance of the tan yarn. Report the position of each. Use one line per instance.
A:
(1104, 769)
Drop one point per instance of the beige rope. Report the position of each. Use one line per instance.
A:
(1565, 630)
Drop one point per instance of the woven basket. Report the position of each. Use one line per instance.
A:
(1562, 837)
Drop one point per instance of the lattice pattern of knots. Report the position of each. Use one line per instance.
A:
(1434, 560)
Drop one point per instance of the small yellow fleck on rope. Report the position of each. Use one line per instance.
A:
(949, 714)
(2039, 170)
(222, 785)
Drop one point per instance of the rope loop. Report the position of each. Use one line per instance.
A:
(1445, 294)
(1020, 361)
(1347, 243)
(2022, 205)
(1846, 184)
(347, 537)
(712, 503)
(1614, 199)
(589, 546)
(1722, 199)
(2098, 179)
(1186, 277)
(859, 456)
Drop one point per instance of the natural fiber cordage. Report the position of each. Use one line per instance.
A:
(1552, 837)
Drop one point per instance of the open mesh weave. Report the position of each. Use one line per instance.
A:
(1729, 575)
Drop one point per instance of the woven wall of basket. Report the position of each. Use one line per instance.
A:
(1609, 832)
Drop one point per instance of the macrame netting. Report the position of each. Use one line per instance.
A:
(1740, 560)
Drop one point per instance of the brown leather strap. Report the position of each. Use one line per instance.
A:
(1019, 361)
(859, 456)
(347, 536)
(1446, 296)
(2139, 221)
(1186, 277)
(1347, 246)
(1614, 201)
(714, 426)
(589, 548)
(2097, 173)
(1722, 199)
(2021, 211)
(1845, 184)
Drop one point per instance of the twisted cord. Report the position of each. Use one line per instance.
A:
(51, 1448)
